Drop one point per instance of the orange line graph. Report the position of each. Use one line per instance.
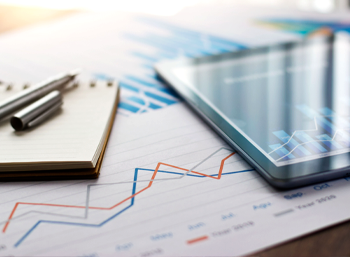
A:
(123, 201)
(192, 241)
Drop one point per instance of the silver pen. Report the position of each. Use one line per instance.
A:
(31, 94)
(37, 112)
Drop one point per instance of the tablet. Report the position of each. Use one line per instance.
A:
(284, 108)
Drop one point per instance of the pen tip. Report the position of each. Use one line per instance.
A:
(75, 72)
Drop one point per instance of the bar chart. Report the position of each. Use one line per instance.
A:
(330, 136)
(166, 41)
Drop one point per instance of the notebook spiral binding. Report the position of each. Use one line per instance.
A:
(92, 83)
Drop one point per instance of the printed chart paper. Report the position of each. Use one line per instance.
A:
(168, 185)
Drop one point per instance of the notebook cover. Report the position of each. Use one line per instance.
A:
(64, 174)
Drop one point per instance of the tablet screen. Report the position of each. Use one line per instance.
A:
(292, 102)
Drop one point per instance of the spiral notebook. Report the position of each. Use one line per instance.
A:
(70, 144)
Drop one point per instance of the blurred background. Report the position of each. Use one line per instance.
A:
(168, 7)
(18, 13)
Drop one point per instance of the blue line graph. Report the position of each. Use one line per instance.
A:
(18, 243)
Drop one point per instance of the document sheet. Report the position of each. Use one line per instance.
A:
(169, 186)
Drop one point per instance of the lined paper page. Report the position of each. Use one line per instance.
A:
(69, 139)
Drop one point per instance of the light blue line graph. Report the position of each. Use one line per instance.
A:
(315, 146)
(323, 122)
(282, 152)
(315, 140)
(291, 142)
(331, 144)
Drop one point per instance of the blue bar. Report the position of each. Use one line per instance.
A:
(142, 102)
(151, 43)
(190, 33)
(142, 82)
(335, 118)
(189, 41)
(223, 50)
(160, 98)
(136, 100)
(331, 144)
(173, 55)
(102, 76)
(168, 91)
(154, 106)
(227, 42)
(341, 134)
(282, 151)
(326, 111)
(164, 55)
(145, 57)
(284, 137)
(155, 77)
(171, 41)
(305, 138)
(126, 86)
(323, 122)
(128, 107)
(156, 44)
(148, 66)
(198, 43)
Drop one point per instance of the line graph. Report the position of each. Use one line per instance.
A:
(291, 137)
(311, 142)
(196, 240)
(295, 133)
(186, 172)
(86, 207)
